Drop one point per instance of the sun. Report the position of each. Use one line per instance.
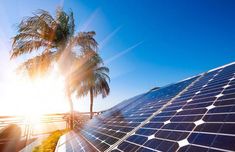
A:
(34, 97)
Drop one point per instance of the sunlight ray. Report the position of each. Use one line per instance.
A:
(108, 37)
(120, 54)
(87, 23)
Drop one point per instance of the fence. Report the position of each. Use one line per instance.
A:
(45, 124)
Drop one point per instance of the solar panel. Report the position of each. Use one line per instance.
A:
(202, 118)
(197, 114)
(106, 130)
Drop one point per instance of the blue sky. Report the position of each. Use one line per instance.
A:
(144, 43)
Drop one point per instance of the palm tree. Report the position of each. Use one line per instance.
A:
(91, 77)
(55, 41)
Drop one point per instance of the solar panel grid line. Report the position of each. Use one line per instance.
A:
(175, 107)
(159, 121)
(152, 107)
(215, 88)
(185, 131)
(206, 111)
(207, 94)
(87, 147)
(66, 144)
(214, 85)
(216, 81)
(114, 118)
(209, 91)
(185, 96)
(138, 97)
(144, 110)
(185, 115)
(108, 134)
(197, 86)
(127, 121)
(79, 143)
(159, 130)
(199, 114)
(139, 146)
(155, 113)
(198, 99)
(90, 142)
(212, 148)
(164, 139)
(222, 106)
(133, 116)
(227, 94)
(146, 113)
(221, 80)
(130, 118)
(126, 102)
(219, 83)
(106, 129)
(72, 146)
(135, 123)
(158, 102)
(225, 101)
(217, 133)
(130, 104)
(116, 125)
(173, 141)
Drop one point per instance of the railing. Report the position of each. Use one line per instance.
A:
(30, 127)
(46, 124)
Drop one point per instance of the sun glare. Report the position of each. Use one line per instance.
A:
(35, 97)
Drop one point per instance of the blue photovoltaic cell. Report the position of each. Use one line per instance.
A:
(196, 114)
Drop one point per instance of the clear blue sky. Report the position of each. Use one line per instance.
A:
(144, 43)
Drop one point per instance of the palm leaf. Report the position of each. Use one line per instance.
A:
(38, 65)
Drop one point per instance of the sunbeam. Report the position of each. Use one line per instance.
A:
(120, 54)
(108, 37)
(89, 20)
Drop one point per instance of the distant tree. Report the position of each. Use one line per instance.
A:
(91, 77)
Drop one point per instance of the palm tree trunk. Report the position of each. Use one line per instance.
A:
(91, 103)
(71, 119)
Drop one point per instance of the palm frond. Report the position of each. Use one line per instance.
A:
(101, 87)
(86, 41)
(27, 47)
(90, 74)
(41, 20)
(71, 24)
(25, 36)
(37, 66)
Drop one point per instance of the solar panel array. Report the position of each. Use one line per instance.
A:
(197, 114)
